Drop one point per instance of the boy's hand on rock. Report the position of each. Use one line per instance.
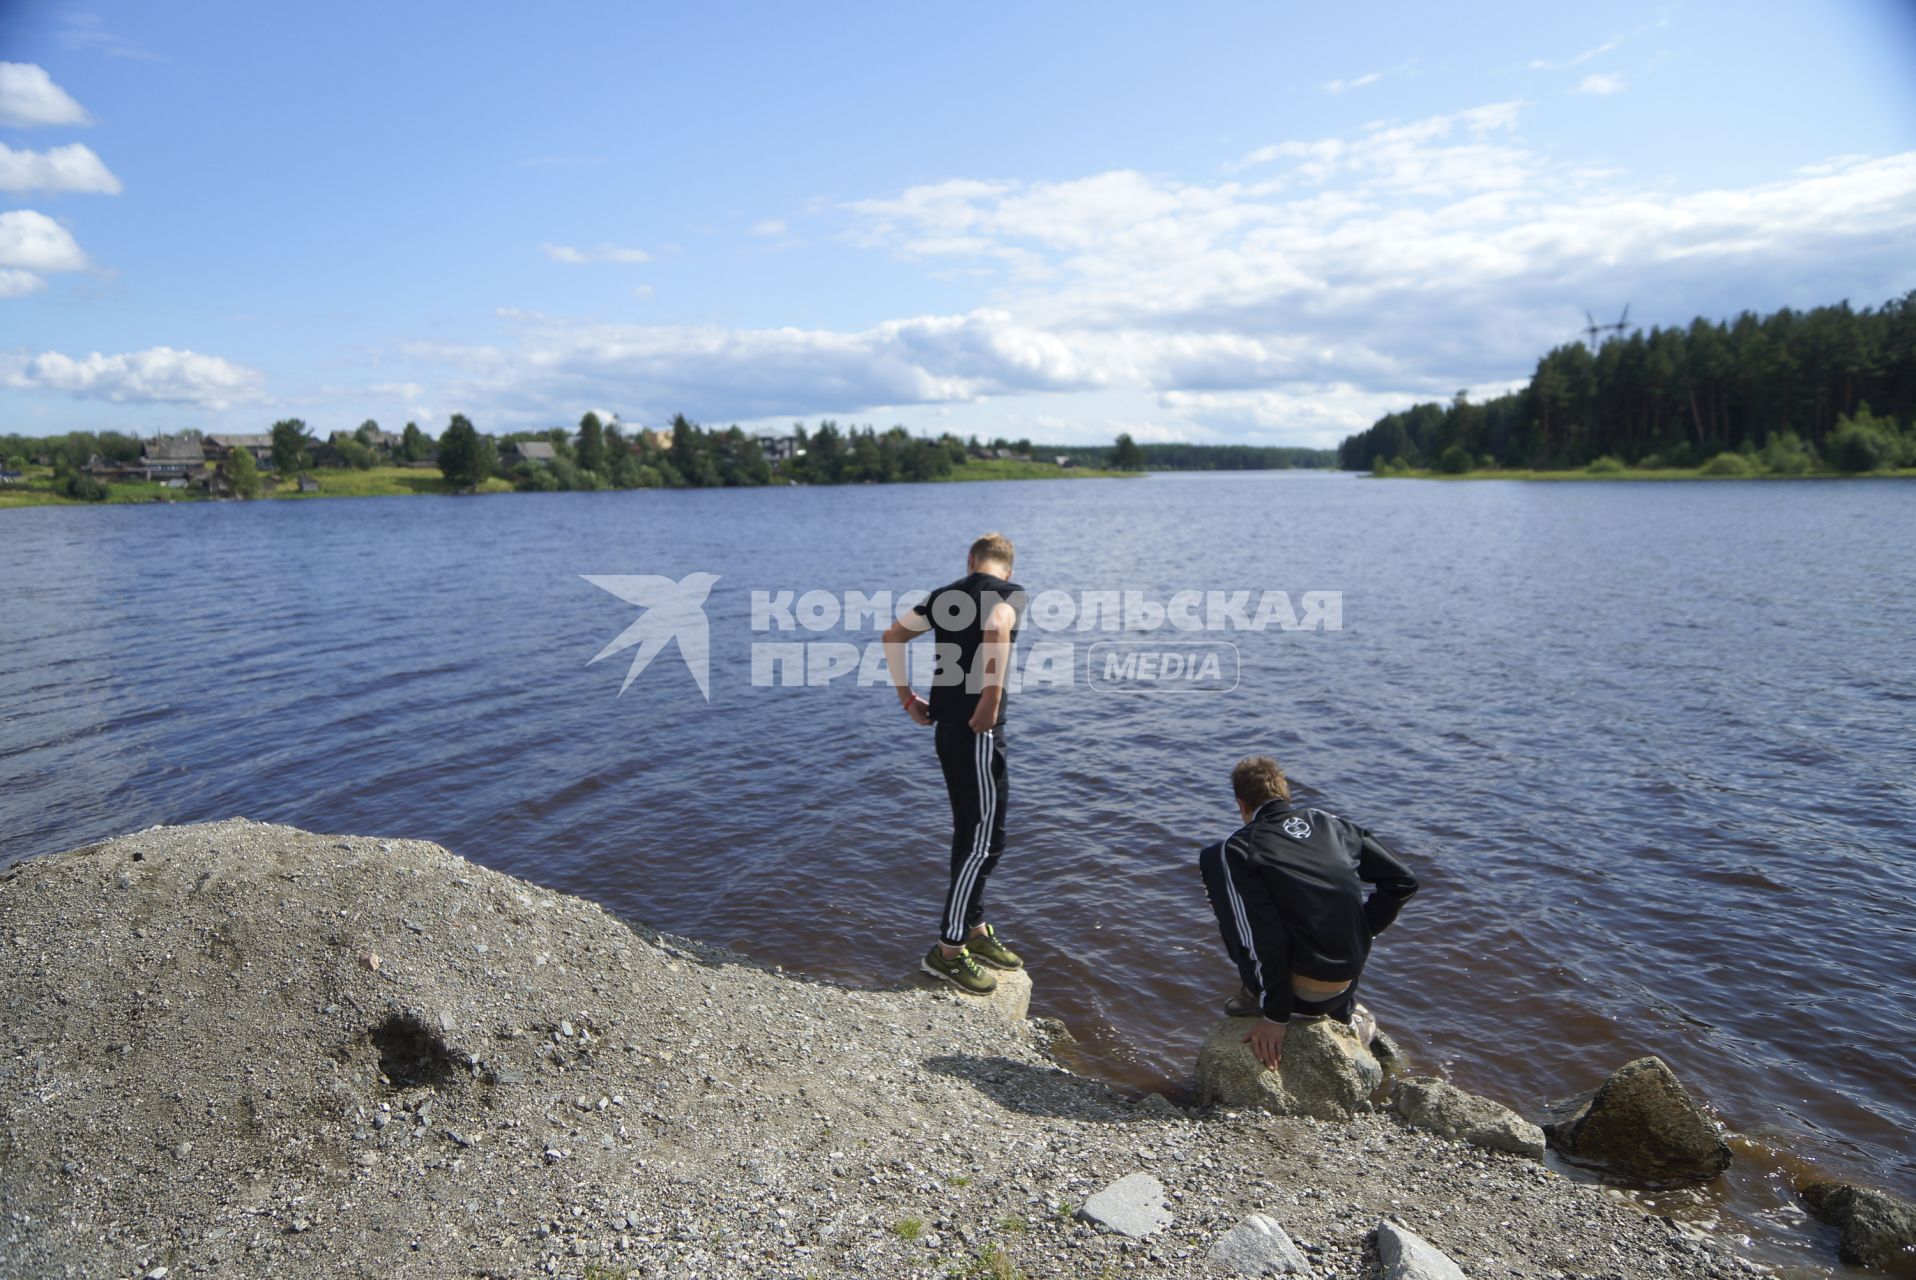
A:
(1267, 1042)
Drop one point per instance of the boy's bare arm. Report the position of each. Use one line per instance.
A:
(898, 664)
(993, 658)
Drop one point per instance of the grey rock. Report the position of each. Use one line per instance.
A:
(1134, 1205)
(1642, 1125)
(1257, 1246)
(1009, 1003)
(1444, 1109)
(1326, 1073)
(1875, 1229)
(1405, 1255)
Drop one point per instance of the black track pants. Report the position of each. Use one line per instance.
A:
(974, 765)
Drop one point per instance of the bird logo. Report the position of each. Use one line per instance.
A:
(673, 611)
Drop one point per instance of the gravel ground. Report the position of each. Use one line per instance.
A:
(245, 1050)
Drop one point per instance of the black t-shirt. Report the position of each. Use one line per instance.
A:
(957, 613)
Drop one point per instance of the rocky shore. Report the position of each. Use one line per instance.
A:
(245, 1050)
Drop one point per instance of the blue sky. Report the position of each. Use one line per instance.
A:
(1266, 222)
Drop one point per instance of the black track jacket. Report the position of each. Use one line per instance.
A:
(1296, 878)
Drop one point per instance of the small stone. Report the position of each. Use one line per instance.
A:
(1134, 1206)
(1444, 1109)
(1257, 1246)
(1405, 1255)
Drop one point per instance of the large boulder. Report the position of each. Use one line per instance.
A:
(1257, 1246)
(1405, 1255)
(1875, 1229)
(1444, 1109)
(1641, 1125)
(1326, 1072)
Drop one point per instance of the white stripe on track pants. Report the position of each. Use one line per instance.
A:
(974, 765)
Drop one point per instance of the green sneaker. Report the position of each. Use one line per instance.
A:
(961, 971)
(987, 948)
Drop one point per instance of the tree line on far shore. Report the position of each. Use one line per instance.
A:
(1793, 392)
(607, 455)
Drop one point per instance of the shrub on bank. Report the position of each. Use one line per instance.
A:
(79, 485)
(1865, 442)
(1729, 464)
(1785, 454)
(1608, 465)
(1456, 461)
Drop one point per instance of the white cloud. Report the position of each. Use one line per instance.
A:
(598, 253)
(641, 290)
(1355, 82)
(18, 284)
(29, 97)
(1595, 51)
(70, 168)
(32, 244)
(768, 227)
(725, 374)
(159, 375)
(1600, 84)
(88, 31)
(1344, 277)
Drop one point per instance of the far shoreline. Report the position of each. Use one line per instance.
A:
(411, 482)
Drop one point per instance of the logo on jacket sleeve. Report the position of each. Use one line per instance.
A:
(1297, 828)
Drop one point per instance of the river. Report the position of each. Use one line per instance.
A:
(1648, 746)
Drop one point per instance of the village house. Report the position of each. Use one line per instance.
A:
(520, 452)
(260, 446)
(779, 448)
(380, 441)
(170, 457)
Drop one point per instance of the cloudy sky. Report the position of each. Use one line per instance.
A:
(1267, 221)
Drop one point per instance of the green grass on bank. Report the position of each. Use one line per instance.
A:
(379, 482)
(1013, 469)
(35, 488)
(1645, 473)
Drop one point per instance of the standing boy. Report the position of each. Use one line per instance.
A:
(974, 622)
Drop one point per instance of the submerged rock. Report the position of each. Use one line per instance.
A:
(1875, 1228)
(1405, 1255)
(1326, 1072)
(1257, 1246)
(1134, 1205)
(1641, 1124)
(1447, 1110)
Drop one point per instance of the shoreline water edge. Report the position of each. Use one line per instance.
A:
(244, 1049)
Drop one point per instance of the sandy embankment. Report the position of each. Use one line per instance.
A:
(238, 1049)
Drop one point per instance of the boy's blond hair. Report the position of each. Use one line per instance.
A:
(993, 546)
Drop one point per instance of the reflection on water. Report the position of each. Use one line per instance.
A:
(1648, 748)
